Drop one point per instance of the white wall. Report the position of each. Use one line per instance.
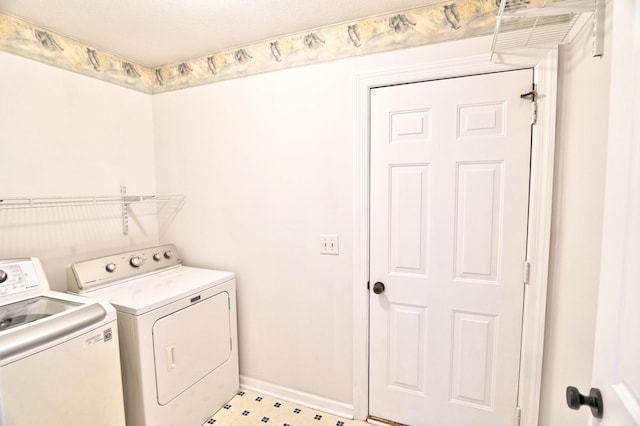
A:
(581, 141)
(63, 134)
(266, 163)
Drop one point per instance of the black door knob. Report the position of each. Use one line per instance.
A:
(575, 400)
(378, 288)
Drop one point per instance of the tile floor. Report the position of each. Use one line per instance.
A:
(251, 408)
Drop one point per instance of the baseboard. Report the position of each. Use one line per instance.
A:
(309, 400)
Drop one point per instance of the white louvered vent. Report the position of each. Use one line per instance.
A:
(542, 23)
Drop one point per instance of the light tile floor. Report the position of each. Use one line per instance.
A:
(251, 408)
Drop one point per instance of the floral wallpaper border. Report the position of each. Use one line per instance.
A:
(451, 20)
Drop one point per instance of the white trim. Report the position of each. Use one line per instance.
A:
(628, 400)
(315, 402)
(545, 74)
(540, 209)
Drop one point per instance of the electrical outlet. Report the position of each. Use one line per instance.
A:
(329, 244)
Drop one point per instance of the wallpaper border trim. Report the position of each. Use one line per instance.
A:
(452, 20)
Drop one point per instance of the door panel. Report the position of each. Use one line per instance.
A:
(478, 218)
(409, 217)
(407, 325)
(449, 199)
(473, 367)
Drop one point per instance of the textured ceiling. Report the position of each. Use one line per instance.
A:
(159, 32)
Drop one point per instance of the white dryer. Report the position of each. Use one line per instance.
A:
(178, 332)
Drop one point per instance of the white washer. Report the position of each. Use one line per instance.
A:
(178, 332)
(59, 360)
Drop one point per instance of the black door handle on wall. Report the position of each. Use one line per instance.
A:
(575, 400)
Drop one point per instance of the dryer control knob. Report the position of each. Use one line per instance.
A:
(111, 267)
(168, 254)
(135, 262)
(3, 276)
(157, 257)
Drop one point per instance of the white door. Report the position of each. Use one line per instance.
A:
(449, 198)
(616, 369)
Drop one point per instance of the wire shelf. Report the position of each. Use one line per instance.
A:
(43, 202)
(536, 23)
(123, 200)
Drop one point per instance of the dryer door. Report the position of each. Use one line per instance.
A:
(189, 344)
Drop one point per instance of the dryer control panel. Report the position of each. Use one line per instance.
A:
(92, 274)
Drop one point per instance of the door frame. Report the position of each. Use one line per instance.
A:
(545, 66)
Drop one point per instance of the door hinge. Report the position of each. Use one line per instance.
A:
(597, 48)
(526, 272)
(518, 416)
(533, 94)
(368, 285)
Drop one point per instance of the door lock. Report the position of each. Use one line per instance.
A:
(575, 400)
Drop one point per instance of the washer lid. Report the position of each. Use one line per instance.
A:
(141, 295)
(35, 324)
(25, 311)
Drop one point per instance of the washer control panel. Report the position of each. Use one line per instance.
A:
(96, 273)
(18, 276)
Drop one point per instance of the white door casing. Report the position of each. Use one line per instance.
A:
(617, 346)
(449, 198)
(543, 135)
